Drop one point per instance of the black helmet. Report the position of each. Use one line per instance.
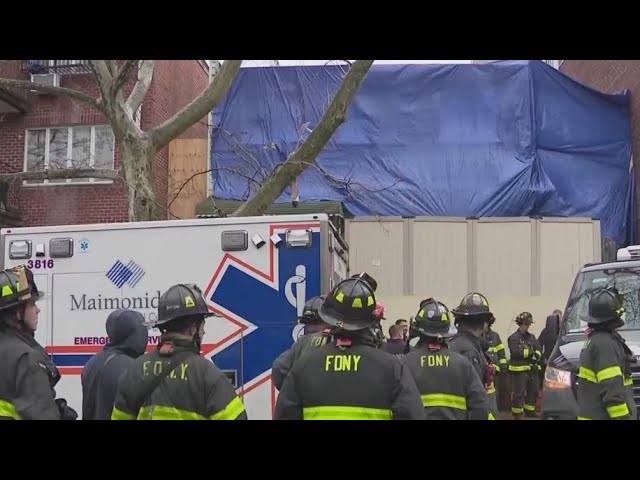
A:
(367, 278)
(524, 317)
(310, 312)
(433, 319)
(18, 287)
(350, 305)
(604, 306)
(472, 304)
(181, 300)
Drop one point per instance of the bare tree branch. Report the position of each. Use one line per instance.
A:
(62, 173)
(199, 107)
(25, 84)
(123, 74)
(140, 89)
(103, 76)
(301, 158)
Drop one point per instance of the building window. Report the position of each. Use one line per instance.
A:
(83, 146)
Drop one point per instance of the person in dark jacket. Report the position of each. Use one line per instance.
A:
(549, 335)
(128, 337)
(313, 327)
(450, 388)
(524, 365)
(174, 382)
(605, 386)
(470, 318)
(396, 344)
(349, 378)
(27, 376)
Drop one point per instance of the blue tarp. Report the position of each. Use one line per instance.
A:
(511, 138)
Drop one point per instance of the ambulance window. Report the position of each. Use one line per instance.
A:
(61, 247)
(232, 376)
(20, 249)
(235, 240)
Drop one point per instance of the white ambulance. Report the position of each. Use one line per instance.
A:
(256, 274)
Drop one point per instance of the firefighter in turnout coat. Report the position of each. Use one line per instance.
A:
(313, 337)
(470, 318)
(450, 388)
(349, 378)
(174, 382)
(524, 365)
(605, 387)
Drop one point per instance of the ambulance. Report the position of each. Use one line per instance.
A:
(256, 274)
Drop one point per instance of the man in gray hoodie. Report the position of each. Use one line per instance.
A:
(127, 341)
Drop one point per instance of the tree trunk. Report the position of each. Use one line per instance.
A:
(136, 160)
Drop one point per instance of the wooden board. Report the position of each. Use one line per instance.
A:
(187, 183)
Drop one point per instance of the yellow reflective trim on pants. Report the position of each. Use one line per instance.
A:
(230, 412)
(628, 381)
(584, 418)
(519, 368)
(619, 410)
(531, 408)
(517, 410)
(117, 414)
(159, 412)
(8, 410)
(588, 375)
(345, 413)
(607, 373)
(444, 400)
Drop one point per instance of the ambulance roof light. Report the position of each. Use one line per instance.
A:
(631, 252)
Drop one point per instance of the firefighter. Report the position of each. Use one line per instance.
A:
(349, 378)
(174, 382)
(470, 318)
(605, 387)
(524, 365)
(494, 350)
(450, 388)
(27, 376)
(313, 328)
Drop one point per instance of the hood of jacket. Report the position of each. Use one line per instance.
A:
(126, 332)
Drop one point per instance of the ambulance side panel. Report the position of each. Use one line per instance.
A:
(255, 291)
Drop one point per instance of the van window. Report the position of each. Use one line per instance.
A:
(625, 281)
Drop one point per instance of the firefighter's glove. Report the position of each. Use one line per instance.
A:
(66, 412)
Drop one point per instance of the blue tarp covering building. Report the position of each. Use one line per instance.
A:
(511, 138)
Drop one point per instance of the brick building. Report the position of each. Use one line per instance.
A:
(57, 131)
(612, 76)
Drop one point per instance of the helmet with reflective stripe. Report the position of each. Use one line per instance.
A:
(472, 304)
(350, 305)
(524, 318)
(604, 306)
(310, 311)
(433, 319)
(182, 300)
(17, 287)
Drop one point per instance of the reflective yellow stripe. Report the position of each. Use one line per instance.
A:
(6, 291)
(346, 413)
(519, 368)
(619, 410)
(491, 349)
(159, 412)
(491, 417)
(607, 373)
(628, 381)
(499, 347)
(8, 410)
(531, 408)
(117, 414)
(503, 361)
(538, 353)
(230, 412)
(491, 388)
(525, 352)
(517, 410)
(584, 418)
(588, 375)
(444, 400)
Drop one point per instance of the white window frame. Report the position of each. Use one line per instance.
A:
(68, 181)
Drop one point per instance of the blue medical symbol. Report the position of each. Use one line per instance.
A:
(267, 308)
(84, 245)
